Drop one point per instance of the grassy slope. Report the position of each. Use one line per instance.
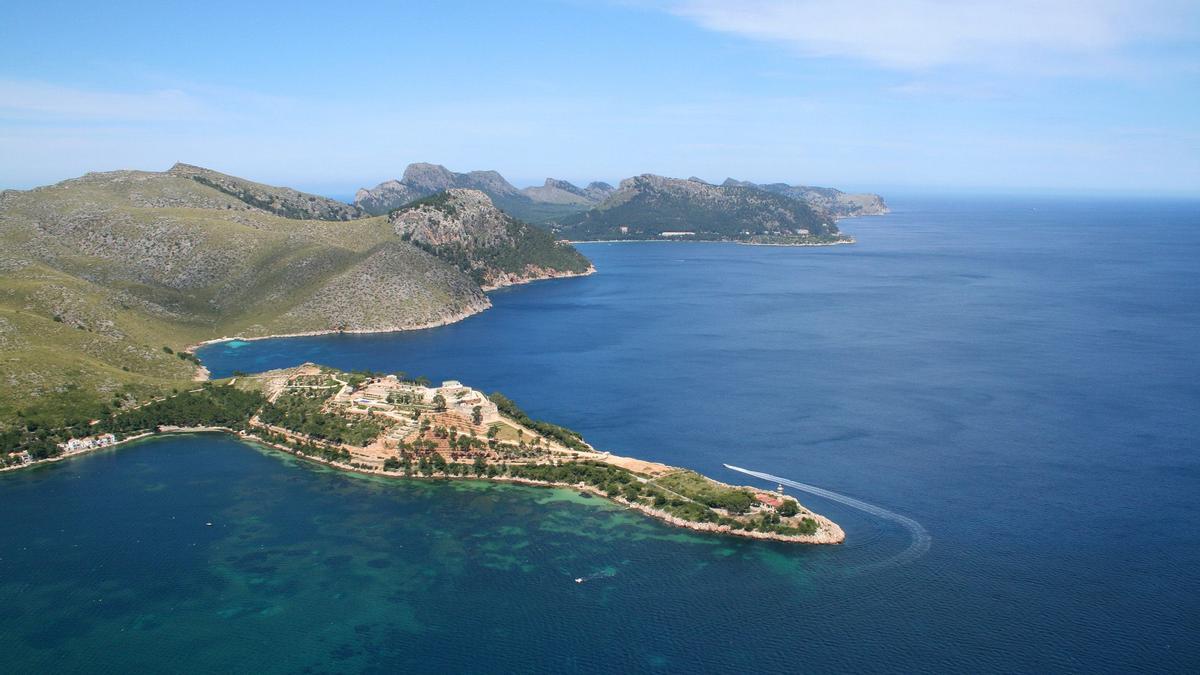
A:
(131, 262)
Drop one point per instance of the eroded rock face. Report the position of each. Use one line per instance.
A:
(466, 228)
(458, 217)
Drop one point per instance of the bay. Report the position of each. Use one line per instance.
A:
(1019, 376)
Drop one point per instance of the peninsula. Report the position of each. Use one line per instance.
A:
(650, 207)
(393, 425)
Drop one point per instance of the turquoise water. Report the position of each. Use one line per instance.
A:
(305, 567)
(1018, 377)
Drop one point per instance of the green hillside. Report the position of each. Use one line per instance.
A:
(104, 279)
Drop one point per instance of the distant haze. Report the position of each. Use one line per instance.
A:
(1071, 96)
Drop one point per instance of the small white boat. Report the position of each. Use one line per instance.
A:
(579, 580)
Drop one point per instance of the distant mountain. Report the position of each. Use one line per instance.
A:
(464, 227)
(655, 207)
(839, 204)
(538, 205)
(560, 202)
(561, 192)
(281, 201)
(422, 180)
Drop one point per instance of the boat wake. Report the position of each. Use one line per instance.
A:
(921, 540)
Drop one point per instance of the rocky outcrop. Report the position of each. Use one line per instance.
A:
(599, 191)
(456, 216)
(466, 228)
(384, 197)
(839, 204)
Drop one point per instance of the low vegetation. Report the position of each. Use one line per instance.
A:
(300, 411)
(569, 438)
(707, 492)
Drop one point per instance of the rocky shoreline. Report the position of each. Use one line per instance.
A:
(840, 242)
(850, 240)
(828, 532)
(445, 321)
(543, 275)
(202, 373)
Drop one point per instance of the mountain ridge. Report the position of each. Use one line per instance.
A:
(560, 202)
(650, 206)
(839, 204)
(281, 201)
(422, 179)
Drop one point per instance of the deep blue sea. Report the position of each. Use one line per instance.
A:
(1021, 377)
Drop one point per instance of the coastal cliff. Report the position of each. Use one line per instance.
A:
(466, 228)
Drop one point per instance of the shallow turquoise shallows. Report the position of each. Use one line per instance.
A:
(1020, 378)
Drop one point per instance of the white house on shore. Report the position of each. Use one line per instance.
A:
(88, 442)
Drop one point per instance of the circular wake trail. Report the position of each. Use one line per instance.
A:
(921, 539)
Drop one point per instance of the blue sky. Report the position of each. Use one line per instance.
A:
(1100, 96)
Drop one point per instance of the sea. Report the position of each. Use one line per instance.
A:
(1000, 395)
